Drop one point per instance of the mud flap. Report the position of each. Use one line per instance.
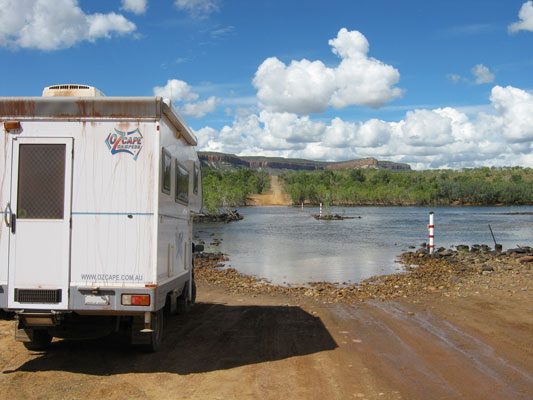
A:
(149, 338)
(138, 337)
(22, 334)
(173, 303)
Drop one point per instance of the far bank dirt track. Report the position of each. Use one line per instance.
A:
(273, 347)
(275, 196)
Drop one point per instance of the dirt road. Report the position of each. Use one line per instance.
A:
(274, 197)
(274, 347)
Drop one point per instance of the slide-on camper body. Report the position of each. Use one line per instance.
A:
(97, 196)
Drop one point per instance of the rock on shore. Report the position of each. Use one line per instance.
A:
(226, 217)
(448, 273)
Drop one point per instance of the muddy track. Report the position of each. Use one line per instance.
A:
(235, 346)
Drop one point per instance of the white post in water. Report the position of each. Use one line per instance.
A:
(320, 211)
(431, 235)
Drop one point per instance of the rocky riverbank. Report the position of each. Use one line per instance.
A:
(226, 217)
(449, 272)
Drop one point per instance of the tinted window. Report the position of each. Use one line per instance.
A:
(166, 161)
(182, 184)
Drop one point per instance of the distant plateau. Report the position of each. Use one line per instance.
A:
(229, 161)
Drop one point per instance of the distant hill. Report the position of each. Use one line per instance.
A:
(226, 161)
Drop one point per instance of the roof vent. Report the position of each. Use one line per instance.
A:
(71, 90)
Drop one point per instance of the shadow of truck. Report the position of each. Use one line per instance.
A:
(212, 337)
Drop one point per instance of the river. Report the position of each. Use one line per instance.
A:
(286, 245)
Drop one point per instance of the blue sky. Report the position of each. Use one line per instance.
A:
(436, 84)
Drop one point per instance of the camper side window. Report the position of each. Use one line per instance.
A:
(182, 184)
(166, 163)
(196, 179)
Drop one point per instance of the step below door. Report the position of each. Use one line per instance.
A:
(39, 245)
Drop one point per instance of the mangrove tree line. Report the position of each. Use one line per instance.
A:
(231, 188)
(478, 186)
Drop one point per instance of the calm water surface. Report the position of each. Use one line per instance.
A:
(287, 246)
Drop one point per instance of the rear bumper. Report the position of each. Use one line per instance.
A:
(108, 300)
(80, 298)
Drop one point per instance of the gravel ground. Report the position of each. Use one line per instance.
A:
(455, 326)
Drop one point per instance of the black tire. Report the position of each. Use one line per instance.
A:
(193, 292)
(7, 316)
(184, 302)
(156, 337)
(41, 340)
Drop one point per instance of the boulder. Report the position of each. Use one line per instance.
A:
(484, 248)
(518, 250)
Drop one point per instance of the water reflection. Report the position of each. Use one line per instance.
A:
(286, 245)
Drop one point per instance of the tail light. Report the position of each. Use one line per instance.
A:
(135, 299)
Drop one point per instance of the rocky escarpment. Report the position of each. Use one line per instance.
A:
(226, 161)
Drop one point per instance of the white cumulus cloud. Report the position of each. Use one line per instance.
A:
(499, 134)
(515, 114)
(304, 86)
(183, 95)
(482, 74)
(526, 19)
(423, 128)
(176, 90)
(53, 25)
(134, 6)
(200, 108)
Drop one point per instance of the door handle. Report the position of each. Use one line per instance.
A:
(7, 212)
(13, 223)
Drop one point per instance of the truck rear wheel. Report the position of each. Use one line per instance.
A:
(41, 340)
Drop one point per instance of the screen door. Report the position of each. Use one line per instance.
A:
(39, 257)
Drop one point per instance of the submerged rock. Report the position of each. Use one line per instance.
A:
(332, 217)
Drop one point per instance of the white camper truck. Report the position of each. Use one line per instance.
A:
(97, 195)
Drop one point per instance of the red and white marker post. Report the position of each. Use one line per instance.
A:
(431, 235)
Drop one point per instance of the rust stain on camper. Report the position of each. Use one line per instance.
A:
(86, 108)
(125, 126)
(67, 108)
(17, 108)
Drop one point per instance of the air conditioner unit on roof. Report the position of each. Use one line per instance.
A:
(71, 90)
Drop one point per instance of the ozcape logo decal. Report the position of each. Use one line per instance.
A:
(125, 142)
